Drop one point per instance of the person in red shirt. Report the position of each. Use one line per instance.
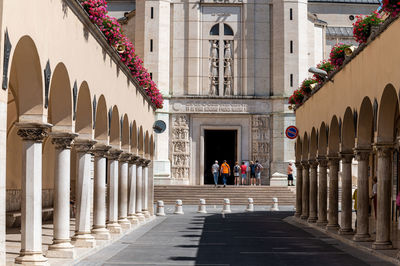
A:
(243, 170)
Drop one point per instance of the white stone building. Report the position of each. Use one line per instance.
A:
(226, 69)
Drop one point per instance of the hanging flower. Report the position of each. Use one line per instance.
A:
(337, 54)
(306, 87)
(362, 26)
(391, 7)
(326, 66)
(109, 26)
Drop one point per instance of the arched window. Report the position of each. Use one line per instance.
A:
(228, 30)
(215, 30)
(221, 60)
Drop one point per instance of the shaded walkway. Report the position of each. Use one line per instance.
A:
(259, 238)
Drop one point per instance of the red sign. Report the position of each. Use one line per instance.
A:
(291, 132)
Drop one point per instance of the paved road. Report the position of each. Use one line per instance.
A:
(259, 238)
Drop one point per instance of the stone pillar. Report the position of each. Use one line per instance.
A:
(132, 191)
(305, 190)
(139, 190)
(362, 232)
(61, 247)
(123, 192)
(347, 199)
(83, 189)
(99, 207)
(384, 176)
(333, 194)
(32, 135)
(146, 193)
(112, 224)
(313, 192)
(322, 191)
(299, 191)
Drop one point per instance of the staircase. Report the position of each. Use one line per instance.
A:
(190, 195)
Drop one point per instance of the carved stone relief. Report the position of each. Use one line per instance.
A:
(261, 141)
(180, 152)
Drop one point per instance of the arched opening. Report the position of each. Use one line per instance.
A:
(134, 138)
(141, 142)
(214, 30)
(322, 140)
(334, 139)
(348, 132)
(101, 125)
(60, 102)
(147, 145)
(298, 149)
(365, 125)
(387, 114)
(228, 30)
(313, 145)
(83, 123)
(305, 148)
(125, 133)
(152, 147)
(115, 127)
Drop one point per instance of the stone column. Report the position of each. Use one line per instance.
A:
(32, 135)
(146, 193)
(299, 191)
(313, 192)
(83, 189)
(99, 207)
(322, 191)
(123, 192)
(61, 247)
(347, 199)
(362, 232)
(112, 224)
(139, 190)
(132, 191)
(384, 176)
(333, 194)
(305, 190)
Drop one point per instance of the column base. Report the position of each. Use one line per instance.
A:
(83, 241)
(361, 237)
(31, 258)
(140, 217)
(124, 223)
(146, 214)
(297, 215)
(322, 223)
(332, 227)
(101, 233)
(382, 245)
(346, 231)
(61, 250)
(133, 219)
(303, 217)
(312, 219)
(114, 228)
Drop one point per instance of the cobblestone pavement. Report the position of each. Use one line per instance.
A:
(257, 238)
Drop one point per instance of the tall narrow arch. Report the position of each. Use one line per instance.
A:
(134, 138)
(322, 140)
(115, 127)
(387, 114)
(334, 139)
(147, 145)
(125, 133)
(348, 132)
(83, 123)
(313, 147)
(101, 125)
(305, 148)
(140, 141)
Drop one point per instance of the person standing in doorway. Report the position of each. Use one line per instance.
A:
(290, 175)
(374, 196)
(258, 170)
(215, 172)
(225, 171)
(236, 173)
(252, 173)
(243, 171)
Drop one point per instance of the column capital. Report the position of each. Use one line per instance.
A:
(322, 161)
(305, 164)
(383, 149)
(313, 163)
(141, 162)
(100, 150)
(134, 159)
(125, 157)
(346, 157)
(113, 154)
(84, 145)
(36, 132)
(362, 154)
(333, 160)
(147, 162)
(62, 140)
(298, 165)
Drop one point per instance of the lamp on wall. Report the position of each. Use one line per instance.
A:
(349, 50)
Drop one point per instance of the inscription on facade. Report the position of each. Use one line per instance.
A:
(180, 147)
(210, 108)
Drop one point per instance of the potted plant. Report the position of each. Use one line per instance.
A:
(362, 26)
(326, 66)
(307, 86)
(337, 54)
(391, 7)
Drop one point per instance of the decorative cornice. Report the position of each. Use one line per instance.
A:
(134, 159)
(384, 149)
(100, 150)
(125, 157)
(36, 132)
(346, 157)
(62, 140)
(362, 154)
(114, 154)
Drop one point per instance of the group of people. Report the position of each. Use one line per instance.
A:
(240, 173)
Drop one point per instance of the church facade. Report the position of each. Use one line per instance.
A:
(226, 69)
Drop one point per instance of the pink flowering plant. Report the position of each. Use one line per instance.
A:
(391, 7)
(305, 86)
(109, 26)
(362, 26)
(326, 66)
(297, 97)
(337, 54)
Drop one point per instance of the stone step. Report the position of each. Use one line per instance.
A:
(190, 195)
